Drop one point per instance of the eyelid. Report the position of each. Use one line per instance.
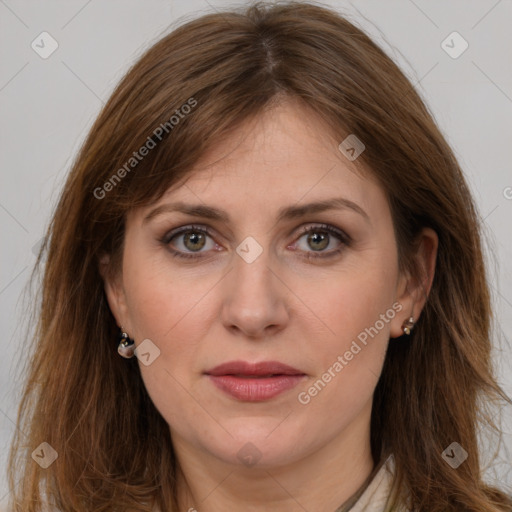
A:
(322, 226)
(169, 235)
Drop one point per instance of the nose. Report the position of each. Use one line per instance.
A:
(254, 302)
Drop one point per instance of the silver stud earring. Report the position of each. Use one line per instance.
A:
(408, 325)
(126, 347)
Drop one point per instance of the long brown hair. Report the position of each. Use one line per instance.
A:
(114, 449)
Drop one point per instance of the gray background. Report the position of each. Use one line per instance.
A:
(47, 106)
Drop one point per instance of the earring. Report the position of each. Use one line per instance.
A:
(126, 345)
(408, 325)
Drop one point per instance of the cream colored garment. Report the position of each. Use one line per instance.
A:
(375, 498)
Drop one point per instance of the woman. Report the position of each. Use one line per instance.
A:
(269, 228)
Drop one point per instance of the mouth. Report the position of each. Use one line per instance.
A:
(254, 382)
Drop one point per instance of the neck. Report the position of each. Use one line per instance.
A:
(322, 480)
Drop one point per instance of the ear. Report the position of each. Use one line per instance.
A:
(412, 291)
(115, 293)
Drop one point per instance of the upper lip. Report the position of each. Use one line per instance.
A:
(257, 369)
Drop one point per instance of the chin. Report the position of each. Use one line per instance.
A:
(256, 443)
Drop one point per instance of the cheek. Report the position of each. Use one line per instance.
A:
(173, 310)
(161, 301)
(357, 310)
(350, 362)
(165, 308)
(353, 301)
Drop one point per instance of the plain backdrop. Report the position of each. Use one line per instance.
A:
(48, 105)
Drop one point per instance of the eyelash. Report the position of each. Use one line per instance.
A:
(342, 237)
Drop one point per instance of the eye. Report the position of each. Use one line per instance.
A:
(318, 238)
(189, 240)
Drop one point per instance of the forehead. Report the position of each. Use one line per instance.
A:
(284, 156)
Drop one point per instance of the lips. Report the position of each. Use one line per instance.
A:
(254, 382)
(261, 369)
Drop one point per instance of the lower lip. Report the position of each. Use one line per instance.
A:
(253, 389)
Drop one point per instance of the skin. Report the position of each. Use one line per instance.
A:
(282, 306)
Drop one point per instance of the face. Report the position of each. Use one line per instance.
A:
(255, 275)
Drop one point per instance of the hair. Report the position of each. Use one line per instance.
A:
(114, 448)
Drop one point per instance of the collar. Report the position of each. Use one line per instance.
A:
(374, 494)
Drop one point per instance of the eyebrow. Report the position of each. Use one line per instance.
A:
(287, 213)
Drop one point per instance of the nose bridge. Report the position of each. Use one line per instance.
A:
(252, 270)
(254, 298)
